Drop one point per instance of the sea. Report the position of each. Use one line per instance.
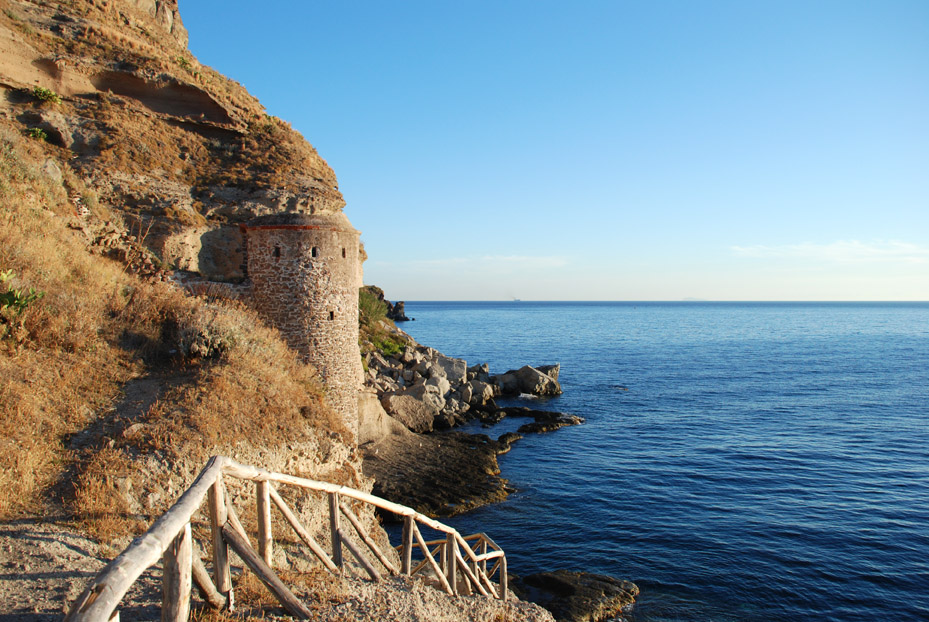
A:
(739, 461)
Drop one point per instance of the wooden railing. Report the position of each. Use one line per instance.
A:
(459, 564)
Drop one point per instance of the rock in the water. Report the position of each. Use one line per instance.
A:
(397, 311)
(508, 383)
(534, 382)
(577, 596)
(540, 427)
(551, 371)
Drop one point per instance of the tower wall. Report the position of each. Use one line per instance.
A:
(304, 275)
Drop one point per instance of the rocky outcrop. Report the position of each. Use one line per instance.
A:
(397, 311)
(426, 390)
(530, 380)
(437, 474)
(577, 596)
(174, 147)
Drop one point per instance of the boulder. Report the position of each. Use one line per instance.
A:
(373, 421)
(408, 356)
(577, 596)
(534, 382)
(414, 413)
(551, 371)
(481, 392)
(481, 372)
(508, 383)
(465, 393)
(456, 370)
(415, 407)
(433, 369)
(440, 383)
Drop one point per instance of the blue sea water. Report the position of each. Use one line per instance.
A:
(740, 461)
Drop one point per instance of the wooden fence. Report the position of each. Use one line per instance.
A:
(459, 564)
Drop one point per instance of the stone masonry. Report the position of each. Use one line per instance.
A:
(305, 271)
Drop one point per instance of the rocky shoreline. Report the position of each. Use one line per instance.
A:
(415, 399)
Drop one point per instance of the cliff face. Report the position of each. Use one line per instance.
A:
(180, 152)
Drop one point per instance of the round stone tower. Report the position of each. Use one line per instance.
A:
(305, 271)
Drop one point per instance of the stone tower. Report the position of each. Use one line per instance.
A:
(305, 271)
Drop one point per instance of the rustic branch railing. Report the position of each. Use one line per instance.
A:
(458, 564)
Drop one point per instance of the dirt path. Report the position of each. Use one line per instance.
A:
(44, 565)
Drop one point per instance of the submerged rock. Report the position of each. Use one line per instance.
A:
(577, 596)
(541, 427)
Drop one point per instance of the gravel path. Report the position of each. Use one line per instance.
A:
(44, 565)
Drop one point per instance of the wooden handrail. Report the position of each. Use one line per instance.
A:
(169, 539)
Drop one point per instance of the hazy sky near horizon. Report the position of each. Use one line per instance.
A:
(607, 150)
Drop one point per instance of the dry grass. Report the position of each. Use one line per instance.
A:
(69, 354)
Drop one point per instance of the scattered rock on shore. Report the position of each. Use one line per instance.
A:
(577, 596)
(437, 474)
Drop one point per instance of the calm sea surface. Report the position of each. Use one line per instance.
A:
(740, 461)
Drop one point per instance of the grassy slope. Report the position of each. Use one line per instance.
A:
(64, 360)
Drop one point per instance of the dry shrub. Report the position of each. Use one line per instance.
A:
(44, 398)
(57, 366)
(258, 392)
(101, 496)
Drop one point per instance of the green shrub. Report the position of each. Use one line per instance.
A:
(371, 309)
(14, 301)
(46, 95)
(37, 132)
(388, 346)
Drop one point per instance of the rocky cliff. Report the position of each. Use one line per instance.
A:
(181, 153)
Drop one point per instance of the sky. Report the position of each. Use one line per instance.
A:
(607, 150)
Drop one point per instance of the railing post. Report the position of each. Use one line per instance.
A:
(407, 561)
(451, 561)
(265, 539)
(176, 578)
(334, 527)
(218, 516)
(504, 581)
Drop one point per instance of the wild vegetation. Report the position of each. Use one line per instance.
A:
(77, 328)
(377, 332)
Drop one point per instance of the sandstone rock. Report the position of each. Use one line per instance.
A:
(439, 382)
(51, 170)
(466, 392)
(577, 596)
(373, 421)
(481, 392)
(456, 370)
(414, 413)
(542, 426)
(534, 382)
(70, 132)
(508, 383)
(552, 371)
(408, 356)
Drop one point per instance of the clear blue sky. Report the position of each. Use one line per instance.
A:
(607, 150)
